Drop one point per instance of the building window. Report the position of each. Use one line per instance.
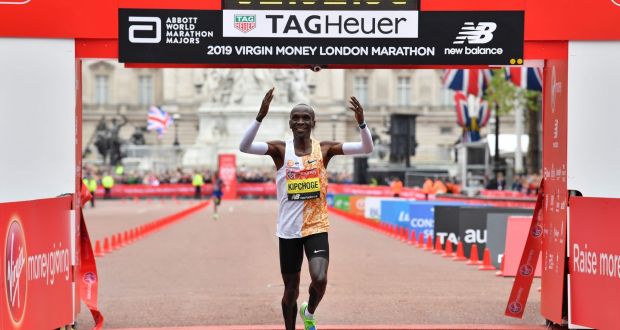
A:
(145, 84)
(101, 89)
(447, 97)
(445, 130)
(403, 88)
(360, 89)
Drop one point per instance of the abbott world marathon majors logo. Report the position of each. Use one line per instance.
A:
(168, 30)
(15, 260)
(474, 36)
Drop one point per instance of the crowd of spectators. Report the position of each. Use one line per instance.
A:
(155, 178)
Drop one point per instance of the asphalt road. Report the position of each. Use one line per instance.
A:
(206, 272)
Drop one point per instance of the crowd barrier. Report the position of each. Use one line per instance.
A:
(447, 225)
(249, 189)
(524, 201)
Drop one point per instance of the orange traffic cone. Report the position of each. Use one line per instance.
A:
(420, 242)
(448, 253)
(411, 237)
(119, 240)
(429, 243)
(460, 253)
(500, 272)
(473, 256)
(106, 246)
(486, 261)
(113, 243)
(403, 234)
(98, 252)
(438, 246)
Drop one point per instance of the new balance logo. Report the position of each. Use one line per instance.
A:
(476, 34)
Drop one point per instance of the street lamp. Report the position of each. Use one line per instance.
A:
(176, 117)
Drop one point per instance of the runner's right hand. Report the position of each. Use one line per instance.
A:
(264, 107)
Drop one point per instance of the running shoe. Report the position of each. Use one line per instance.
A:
(309, 324)
(216, 216)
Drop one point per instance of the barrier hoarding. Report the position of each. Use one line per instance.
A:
(341, 202)
(395, 212)
(357, 205)
(517, 229)
(373, 208)
(594, 262)
(496, 240)
(446, 224)
(473, 225)
(422, 216)
(38, 255)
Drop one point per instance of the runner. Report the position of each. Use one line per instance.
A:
(301, 181)
(217, 194)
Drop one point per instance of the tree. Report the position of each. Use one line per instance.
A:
(533, 105)
(501, 95)
(505, 97)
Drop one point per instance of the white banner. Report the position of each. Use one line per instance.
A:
(320, 24)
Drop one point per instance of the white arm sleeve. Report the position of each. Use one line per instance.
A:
(358, 148)
(247, 143)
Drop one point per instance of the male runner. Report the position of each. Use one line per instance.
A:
(217, 194)
(301, 181)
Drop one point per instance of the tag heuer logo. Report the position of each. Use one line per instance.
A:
(245, 23)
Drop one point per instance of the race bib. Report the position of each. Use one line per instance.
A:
(302, 184)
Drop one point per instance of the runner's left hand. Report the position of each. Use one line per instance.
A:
(356, 107)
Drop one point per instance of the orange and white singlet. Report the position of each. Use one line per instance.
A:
(301, 188)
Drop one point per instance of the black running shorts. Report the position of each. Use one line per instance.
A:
(292, 251)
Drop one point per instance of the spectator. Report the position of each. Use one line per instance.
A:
(198, 182)
(497, 183)
(397, 186)
(107, 182)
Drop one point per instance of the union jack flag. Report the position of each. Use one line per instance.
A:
(528, 78)
(468, 81)
(471, 124)
(158, 120)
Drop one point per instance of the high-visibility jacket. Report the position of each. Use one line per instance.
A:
(427, 188)
(397, 186)
(198, 180)
(439, 187)
(119, 170)
(91, 184)
(107, 181)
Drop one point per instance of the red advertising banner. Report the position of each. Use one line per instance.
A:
(37, 264)
(529, 258)
(516, 235)
(376, 191)
(228, 174)
(555, 191)
(594, 262)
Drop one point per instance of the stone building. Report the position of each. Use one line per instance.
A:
(212, 107)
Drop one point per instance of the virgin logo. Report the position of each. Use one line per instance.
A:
(15, 259)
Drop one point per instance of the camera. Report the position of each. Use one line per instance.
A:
(316, 67)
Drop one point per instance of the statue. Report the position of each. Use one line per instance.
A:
(108, 141)
(247, 86)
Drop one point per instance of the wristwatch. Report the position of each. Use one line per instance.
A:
(363, 125)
